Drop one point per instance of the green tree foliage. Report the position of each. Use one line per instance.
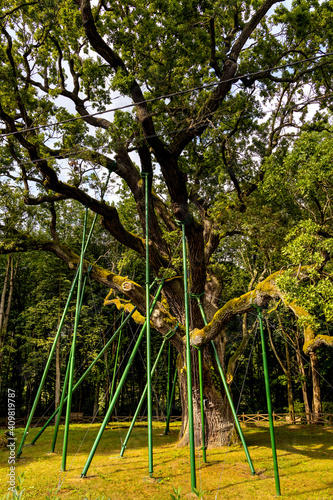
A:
(212, 99)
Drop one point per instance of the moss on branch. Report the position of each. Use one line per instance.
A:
(260, 296)
(317, 341)
(125, 306)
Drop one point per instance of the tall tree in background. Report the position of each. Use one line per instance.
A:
(207, 114)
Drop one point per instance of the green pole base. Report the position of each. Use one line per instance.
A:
(152, 479)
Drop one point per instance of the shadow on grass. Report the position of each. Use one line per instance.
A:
(312, 441)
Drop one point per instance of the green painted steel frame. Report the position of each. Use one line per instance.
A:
(202, 411)
(226, 388)
(63, 394)
(168, 389)
(72, 356)
(188, 364)
(32, 412)
(170, 403)
(116, 360)
(119, 387)
(146, 176)
(46, 369)
(144, 393)
(85, 374)
(269, 403)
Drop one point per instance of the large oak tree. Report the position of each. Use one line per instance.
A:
(206, 114)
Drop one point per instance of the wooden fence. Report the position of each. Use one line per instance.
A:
(298, 418)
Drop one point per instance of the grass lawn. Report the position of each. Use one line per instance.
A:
(305, 456)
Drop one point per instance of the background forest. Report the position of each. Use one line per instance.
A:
(35, 287)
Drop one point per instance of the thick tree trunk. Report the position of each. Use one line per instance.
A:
(4, 290)
(96, 399)
(316, 397)
(218, 417)
(301, 369)
(4, 315)
(290, 386)
(13, 271)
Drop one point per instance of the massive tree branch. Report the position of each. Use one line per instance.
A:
(222, 89)
(9, 12)
(79, 105)
(260, 296)
(44, 199)
(115, 61)
(251, 26)
(213, 61)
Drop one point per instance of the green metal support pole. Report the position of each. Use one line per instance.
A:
(119, 387)
(116, 361)
(63, 394)
(188, 365)
(82, 294)
(85, 374)
(168, 387)
(46, 369)
(203, 437)
(170, 404)
(226, 388)
(72, 359)
(61, 404)
(144, 393)
(269, 404)
(146, 176)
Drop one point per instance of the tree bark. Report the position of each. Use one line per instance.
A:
(96, 399)
(289, 385)
(4, 290)
(218, 416)
(13, 271)
(316, 396)
(301, 369)
(4, 314)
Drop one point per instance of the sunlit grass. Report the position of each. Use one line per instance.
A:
(305, 456)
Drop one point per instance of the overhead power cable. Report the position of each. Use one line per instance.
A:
(69, 153)
(169, 96)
